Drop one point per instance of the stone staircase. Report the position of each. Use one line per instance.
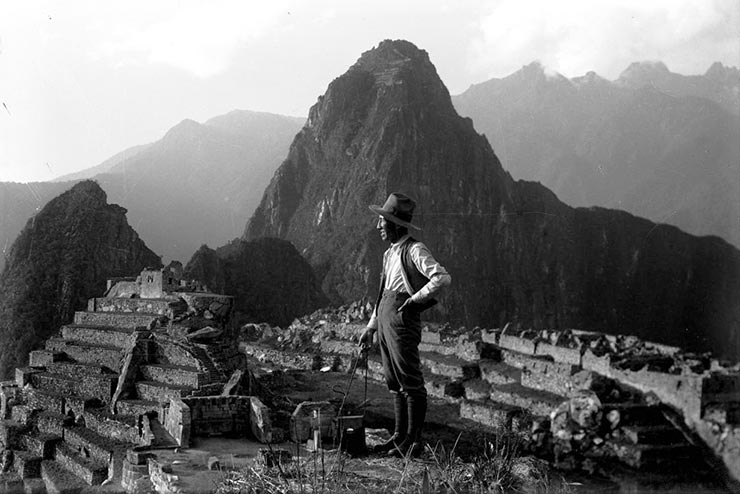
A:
(66, 430)
(512, 389)
(499, 381)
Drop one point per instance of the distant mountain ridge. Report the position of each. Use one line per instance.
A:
(198, 184)
(719, 83)
(105, 166)
(655, 143)
(515, 252)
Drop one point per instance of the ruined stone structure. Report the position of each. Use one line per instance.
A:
(656, 408)
(134, 372)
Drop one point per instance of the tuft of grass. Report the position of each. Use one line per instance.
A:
(497, 469)
(492, 471)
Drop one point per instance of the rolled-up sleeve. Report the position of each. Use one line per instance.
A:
(429, 267)
(373, 323)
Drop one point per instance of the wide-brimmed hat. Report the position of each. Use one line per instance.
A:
(398, 208)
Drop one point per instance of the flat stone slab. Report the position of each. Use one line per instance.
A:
(97, 334)
(42, 358)
(179, 375)
(444, 387)
(489, 413)
(161, 392)
(138, 407)
(126, 320)
(653, 434)
(449, 366)
(79, 370)
(539, 403)
(498, 372)
(99, 447)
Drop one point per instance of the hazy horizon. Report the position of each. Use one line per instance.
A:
(81, 83)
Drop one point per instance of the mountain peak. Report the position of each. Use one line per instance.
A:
(386, 124)
(534, 67)
(391, 53)
(185, 128)
(644, 73)
(399, 62)
(591, 78)
(89, 190)
(63, 256)
(537, 74)
(183, 135)
(721, 73)
(395, 74)
(649, 66)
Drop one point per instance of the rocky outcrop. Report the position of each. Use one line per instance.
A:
(65, 253)
(515, 252)
(268, 278)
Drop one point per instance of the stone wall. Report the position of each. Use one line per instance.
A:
(162, 479)
(178, 421)
(150, 306)
(219, 415)
(705, 391)
(10, 395)
(136, 353)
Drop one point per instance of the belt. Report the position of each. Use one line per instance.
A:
(395, 293)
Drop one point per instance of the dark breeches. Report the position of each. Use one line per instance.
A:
(399, 335)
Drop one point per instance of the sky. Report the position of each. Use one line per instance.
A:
(83, 80)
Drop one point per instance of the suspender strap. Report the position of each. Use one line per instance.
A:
(416, 278)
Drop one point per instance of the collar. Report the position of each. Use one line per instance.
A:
(400, 241)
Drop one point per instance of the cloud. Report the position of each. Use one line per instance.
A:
(575, 36)
(201, 38)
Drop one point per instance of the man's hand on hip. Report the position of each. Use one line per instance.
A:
(407, 304)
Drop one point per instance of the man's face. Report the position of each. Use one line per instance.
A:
(387, 230)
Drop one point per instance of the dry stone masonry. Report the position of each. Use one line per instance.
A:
(580, 397)
(134, 374)
(143, 368)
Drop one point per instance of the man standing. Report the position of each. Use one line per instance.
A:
(409, 279)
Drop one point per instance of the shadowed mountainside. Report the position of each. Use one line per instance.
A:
(63, 256)
(268, 278)
(515, 252)
(657, 144)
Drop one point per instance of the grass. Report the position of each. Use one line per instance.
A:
(497, 468)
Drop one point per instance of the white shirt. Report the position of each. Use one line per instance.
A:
(396, 279)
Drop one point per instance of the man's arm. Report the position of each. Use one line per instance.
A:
(429, 267)
(366, 338)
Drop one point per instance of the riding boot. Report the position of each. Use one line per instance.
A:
(412, 445)
(400, 411)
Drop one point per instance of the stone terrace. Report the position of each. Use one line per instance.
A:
(671, 408)
(119, 380)
(131, 375)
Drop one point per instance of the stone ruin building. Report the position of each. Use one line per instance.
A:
(581, 398)
(152, 365)
(148, 365)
